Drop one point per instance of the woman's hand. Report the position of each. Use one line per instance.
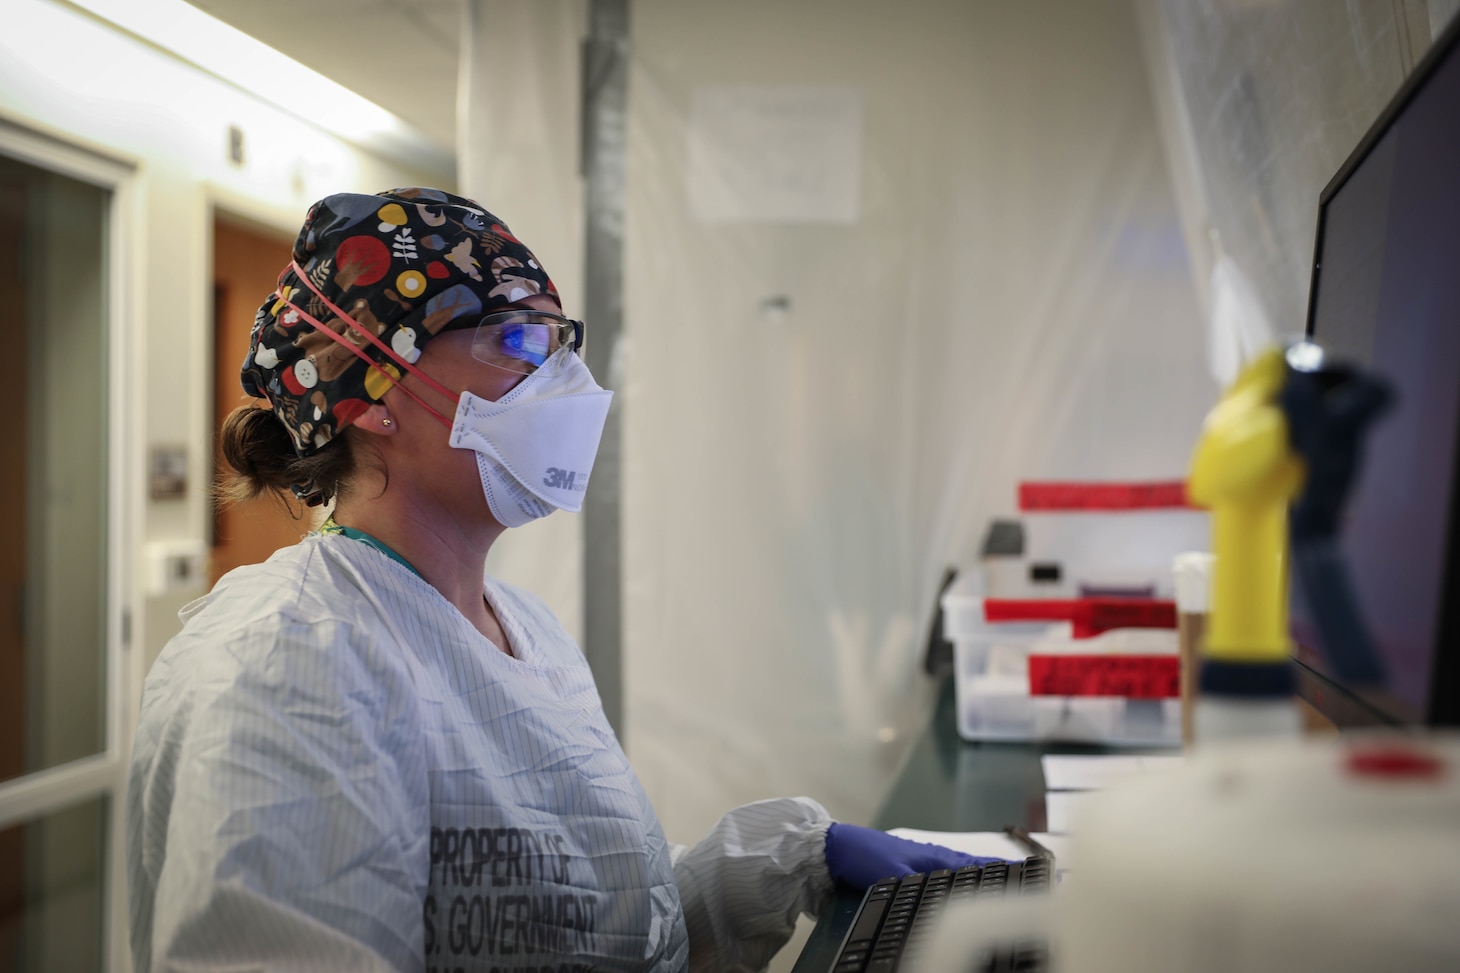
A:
(860, 856)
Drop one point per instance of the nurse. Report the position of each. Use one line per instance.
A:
(361, 756)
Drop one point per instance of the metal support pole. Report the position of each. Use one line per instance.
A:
(604, 120)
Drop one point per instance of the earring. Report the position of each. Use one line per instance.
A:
(386, 422)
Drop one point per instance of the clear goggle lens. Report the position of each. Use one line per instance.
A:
(520, 341)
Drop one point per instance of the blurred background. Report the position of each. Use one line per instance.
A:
(854, 270)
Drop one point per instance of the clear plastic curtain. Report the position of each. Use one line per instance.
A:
(824, 413)
(1260, 103)
(518, 154)
(821, 416)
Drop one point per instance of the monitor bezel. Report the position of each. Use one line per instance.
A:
(1331, 698)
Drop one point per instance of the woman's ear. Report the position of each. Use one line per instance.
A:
(377, 421)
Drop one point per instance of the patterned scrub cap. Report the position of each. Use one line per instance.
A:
(406, 264)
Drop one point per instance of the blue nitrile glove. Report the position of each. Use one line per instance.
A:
(860, 856)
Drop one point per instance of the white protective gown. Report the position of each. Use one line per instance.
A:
(334, 770)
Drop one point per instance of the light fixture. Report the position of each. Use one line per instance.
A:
(246, 62)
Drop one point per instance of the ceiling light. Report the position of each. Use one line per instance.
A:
(228, 53)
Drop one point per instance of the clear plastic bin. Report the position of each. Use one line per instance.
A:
(993, 686)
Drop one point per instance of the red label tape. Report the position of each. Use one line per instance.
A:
(1163, 495)
(1088, 616)
(1131, 676)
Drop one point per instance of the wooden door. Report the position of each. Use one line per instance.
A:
(246, 265)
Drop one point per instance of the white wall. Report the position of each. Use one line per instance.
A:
(75, 78)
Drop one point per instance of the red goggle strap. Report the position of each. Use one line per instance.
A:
(385, 349)
(374, 364)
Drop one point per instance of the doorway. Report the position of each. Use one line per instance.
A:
(62, 596)
(247, 259)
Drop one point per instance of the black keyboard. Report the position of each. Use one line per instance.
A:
(896, 914)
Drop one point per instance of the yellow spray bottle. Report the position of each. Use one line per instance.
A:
(1244, 470)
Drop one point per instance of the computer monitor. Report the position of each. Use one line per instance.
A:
(1386, 295)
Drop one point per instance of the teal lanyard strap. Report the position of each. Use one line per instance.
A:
(330, 527)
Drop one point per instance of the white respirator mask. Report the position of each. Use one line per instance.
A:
(535, 445)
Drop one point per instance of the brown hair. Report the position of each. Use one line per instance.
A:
(258, 448)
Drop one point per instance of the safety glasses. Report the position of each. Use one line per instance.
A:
(519, 341)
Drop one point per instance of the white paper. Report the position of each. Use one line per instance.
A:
(1062, 810)
(991, 844)
(1078, 772)
(775, 154)
(1086, 773)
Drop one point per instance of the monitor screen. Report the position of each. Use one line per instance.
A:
(1386, 295)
